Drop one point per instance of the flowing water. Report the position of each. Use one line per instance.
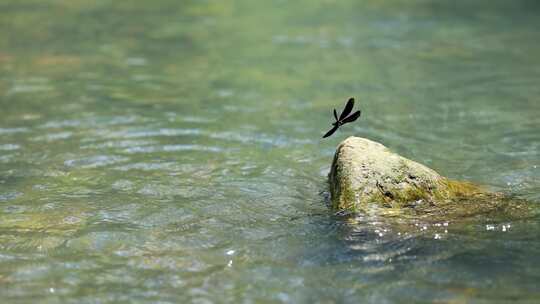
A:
(171, 152)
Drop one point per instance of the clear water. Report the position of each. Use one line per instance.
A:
(170, 151)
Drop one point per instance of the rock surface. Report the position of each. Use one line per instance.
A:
(365, 173)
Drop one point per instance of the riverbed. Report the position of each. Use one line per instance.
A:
(171, 151)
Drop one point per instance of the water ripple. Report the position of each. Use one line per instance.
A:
(95, 161)
(9, 147)
(119, 144)
(9, 196)
(53, 136)
(173, 148)
(147, 133)
(12, 130)
(90, 122)
(168, 166)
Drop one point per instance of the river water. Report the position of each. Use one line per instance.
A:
(171, 151)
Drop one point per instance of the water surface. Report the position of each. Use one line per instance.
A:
(170, 151)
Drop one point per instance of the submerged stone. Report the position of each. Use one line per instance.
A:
(367, 176)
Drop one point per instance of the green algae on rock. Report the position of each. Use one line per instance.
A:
(365, 174)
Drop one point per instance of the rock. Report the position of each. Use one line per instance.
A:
(365, 174)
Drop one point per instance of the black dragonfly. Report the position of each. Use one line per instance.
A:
(343, 119)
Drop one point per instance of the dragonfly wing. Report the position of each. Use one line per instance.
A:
(335, 114)
(331, 131)
(348, 108)
(353, 117)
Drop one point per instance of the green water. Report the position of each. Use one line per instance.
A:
(171, 151)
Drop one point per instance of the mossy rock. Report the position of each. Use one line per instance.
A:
(365, 176)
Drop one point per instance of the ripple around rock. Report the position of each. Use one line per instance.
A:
(95, 161)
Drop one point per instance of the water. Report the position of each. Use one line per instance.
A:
(170, 151)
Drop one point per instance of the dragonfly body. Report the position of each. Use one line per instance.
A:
(344, 117)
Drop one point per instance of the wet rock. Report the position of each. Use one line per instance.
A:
(365, 174)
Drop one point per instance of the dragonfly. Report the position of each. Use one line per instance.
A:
(344, 117)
